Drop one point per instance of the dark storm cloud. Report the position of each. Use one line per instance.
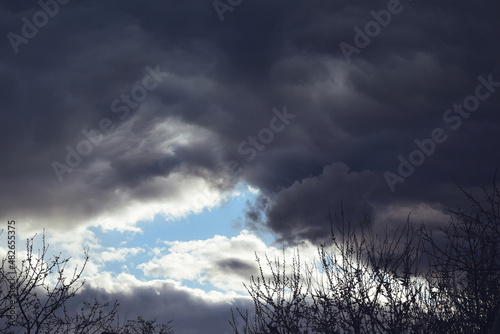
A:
(224, 79)
(301, 202)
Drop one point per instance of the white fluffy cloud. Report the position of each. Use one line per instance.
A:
(118, 254)
(223, 262)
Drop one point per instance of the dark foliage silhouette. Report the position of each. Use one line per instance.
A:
(411, 280)
(39, 295)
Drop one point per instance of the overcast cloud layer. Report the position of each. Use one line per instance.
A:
(176, 92)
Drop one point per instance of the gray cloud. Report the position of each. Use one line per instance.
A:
(236, 265)
(163, 301)
(224, 79)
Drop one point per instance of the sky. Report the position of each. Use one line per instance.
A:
(177, 140)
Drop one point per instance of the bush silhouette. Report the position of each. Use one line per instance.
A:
(40, 306)
(408, 281)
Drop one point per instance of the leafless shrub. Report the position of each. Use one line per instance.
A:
(40, 290)
(407, 281)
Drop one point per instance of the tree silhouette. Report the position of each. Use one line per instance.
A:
(411, 280)
(465, 270)
(142, 326)
(38, 292)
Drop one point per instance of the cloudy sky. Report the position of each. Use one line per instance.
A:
(176, 139)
